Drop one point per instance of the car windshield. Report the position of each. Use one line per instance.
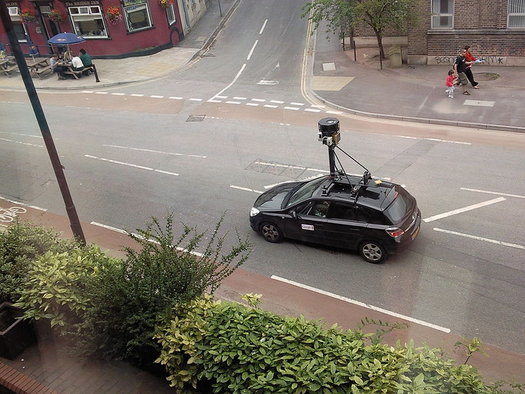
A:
(397, 210)
(305, 191)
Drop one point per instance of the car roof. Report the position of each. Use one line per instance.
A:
(372, 193)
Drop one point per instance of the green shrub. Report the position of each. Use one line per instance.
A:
(56, 285)
(21, 244)
(246, 350)
(130, 298)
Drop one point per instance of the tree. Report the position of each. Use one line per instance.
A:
(378, 14)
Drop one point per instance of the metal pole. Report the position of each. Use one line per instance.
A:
(331, 160)
(42, 122)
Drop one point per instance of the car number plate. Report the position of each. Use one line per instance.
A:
(415, 233)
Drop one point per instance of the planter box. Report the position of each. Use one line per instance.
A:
(15, 335)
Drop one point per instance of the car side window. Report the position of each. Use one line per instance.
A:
(371, 216)
(319, 209)
(342, 211)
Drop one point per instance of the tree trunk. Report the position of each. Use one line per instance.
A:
(379, 37)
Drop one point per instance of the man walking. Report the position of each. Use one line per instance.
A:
(460, 66)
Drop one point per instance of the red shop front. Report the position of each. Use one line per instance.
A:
(112, 28)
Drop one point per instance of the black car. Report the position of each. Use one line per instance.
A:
(375, 217)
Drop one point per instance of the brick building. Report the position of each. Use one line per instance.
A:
(495, 30)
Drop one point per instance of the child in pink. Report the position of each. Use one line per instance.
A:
(451, 81)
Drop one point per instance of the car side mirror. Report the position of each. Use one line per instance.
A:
(293, 214)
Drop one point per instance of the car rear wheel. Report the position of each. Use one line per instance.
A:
(372, 252)
(271, 232)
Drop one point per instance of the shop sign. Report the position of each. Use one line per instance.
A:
(72, 3)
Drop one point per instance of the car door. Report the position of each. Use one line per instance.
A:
(344, 225)
(307, 222)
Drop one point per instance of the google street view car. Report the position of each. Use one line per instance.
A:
(374, 217)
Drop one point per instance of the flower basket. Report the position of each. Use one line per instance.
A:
(166, 3)
(55, 16)
(27, 15)
(113, 15)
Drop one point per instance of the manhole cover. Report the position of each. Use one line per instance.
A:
(195, 118)
(485, 76)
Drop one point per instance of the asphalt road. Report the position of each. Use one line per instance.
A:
(135, 152)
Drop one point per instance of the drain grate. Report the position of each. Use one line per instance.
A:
(195, 118)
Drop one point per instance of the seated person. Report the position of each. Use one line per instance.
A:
(76, 64)
(86, 58)
(53, 60)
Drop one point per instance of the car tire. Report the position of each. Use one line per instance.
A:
(372, 252)
(271, 232)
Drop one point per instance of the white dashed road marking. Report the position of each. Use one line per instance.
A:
(362, 304)
(493, 241)
(245, 189)
(131, 165)
(489, 192)
(464, 209)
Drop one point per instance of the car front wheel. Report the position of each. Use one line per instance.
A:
(271, 232)
(372, 252)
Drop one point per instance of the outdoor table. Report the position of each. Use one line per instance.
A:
(7, 65)
(35, 66)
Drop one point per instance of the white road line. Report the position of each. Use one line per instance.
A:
(493, 241)
(292, 108)
(153, 151)
(136, 95)
(334, 112)
(21, 143)
(231, 83)
(239, 98)
(464, 209)
(318, 106)
(263, 26)
(87, 91)
(233, 102)
(23, 204)
(214, 101)
(489, 192)
(24, 135)
(118, 94)
(253, 104)
(245, 189)
(101, 92)
(175, 98)
(118, 230)
(362, 304)
(270, 106)
(130, 165)
(296, 103)
(276, 101)
(157, 96)
(195, 99)
(251, 51)
(258, 100)
(221, 97)
(312, 110)
(448, 141)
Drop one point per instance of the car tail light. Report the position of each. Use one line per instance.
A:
(395, 232)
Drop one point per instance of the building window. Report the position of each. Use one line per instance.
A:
(137, 16)
(170, 13)
(88, 21)
(18, 27)
(442, 14)
(516, 13)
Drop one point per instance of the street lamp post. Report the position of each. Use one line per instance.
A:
(42, 122)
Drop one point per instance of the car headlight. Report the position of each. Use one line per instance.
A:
(254, 211)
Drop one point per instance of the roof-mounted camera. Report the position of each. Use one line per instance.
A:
(329, 131)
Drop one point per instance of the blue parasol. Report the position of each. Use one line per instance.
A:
(65, 39)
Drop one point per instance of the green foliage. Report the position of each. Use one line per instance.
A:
(130, 298)
(56, 285)
(21, 244)
(178, 339)
(382, 328)
(337, 14)
(247, 350)
(470, 347)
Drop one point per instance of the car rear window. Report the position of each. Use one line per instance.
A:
(399, 207)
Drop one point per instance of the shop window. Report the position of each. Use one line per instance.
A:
(516, 14)
(18, 27)
(442, 14)
(137, 17)
(88, 21)
(170, 13)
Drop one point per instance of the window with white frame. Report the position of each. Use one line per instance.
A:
(137, 16)
(170, 13)
(442, 14)
(516, 14)
(88, 21)
(18, 27)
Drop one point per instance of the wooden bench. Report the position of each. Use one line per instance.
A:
(41, 71)
(7, 70)
(78, 74)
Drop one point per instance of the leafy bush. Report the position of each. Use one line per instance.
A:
(21, 244)
(56, 285)
(129, 299)
(246, 350)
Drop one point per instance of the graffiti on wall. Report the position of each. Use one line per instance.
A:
(491, 60)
